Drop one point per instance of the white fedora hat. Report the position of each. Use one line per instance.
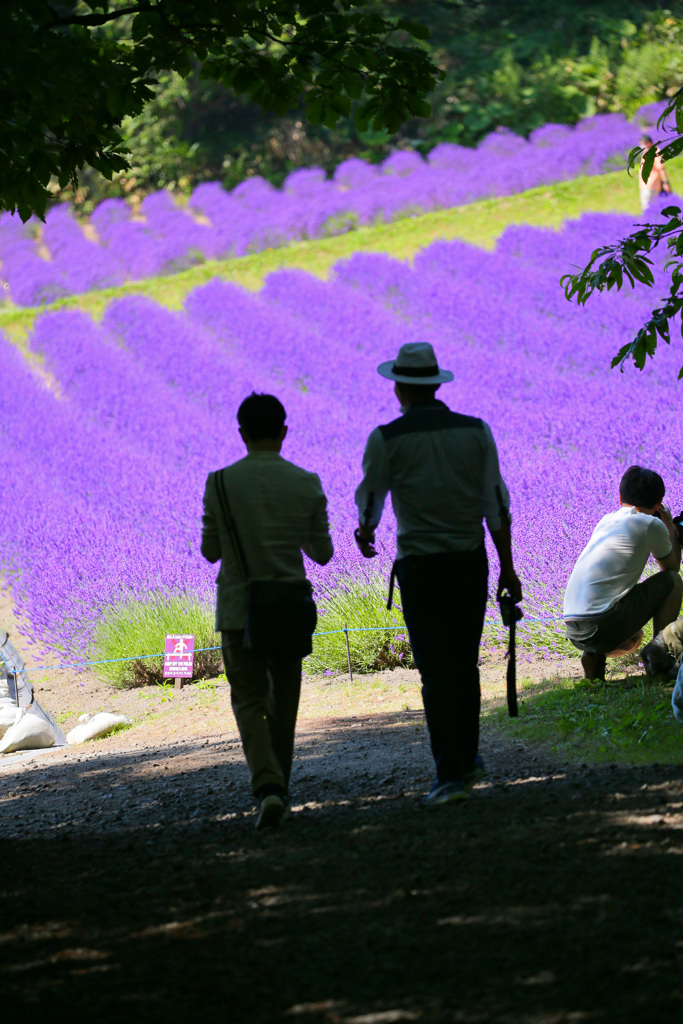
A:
(415, 364)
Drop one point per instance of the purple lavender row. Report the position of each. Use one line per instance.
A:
(451, 292)
(69, 522)
(140, 410)
(103, 483)
(305, 367)
(230, 342)
(140, 389)
(148, 445)
(162, 238)
(538, 370)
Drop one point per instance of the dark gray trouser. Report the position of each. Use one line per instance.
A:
(265, 700)
(609, 631)
(444, 601)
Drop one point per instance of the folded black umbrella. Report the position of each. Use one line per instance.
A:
(511, 614)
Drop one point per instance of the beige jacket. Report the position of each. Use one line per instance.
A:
(279, 510)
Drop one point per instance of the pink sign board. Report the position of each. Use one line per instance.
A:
(178, 656)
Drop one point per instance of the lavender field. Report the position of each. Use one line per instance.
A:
(118, 422)
(40, 264)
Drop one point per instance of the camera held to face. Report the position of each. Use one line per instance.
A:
(678, 523)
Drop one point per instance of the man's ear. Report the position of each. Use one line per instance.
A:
(243, 436)
(283, 432)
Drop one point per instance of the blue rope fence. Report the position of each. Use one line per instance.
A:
(202, 650)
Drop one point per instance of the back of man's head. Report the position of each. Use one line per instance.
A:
(645, 140)
(418, 392)
(641, 487)
(261, 417)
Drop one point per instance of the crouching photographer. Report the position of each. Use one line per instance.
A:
(605, 607)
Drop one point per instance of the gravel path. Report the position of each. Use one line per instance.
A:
(135, 883)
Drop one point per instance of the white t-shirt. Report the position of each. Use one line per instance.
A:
(613, 560)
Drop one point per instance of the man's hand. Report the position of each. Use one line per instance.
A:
(666, 517)
(510, 581)
(673, 559)
(365, 539)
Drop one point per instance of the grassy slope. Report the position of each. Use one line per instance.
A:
(480, 223)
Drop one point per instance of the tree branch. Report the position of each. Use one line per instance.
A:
(95, 20)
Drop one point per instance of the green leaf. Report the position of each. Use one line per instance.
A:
(353, 83)
(648, 163)
(672, 149)
(419, 108)
(141, 26)
(639, 270)
(634, 156)
(314, 108)
(413, 28)
(621, 355)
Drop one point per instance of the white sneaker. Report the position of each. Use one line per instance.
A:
(270, 812)
(445, 793)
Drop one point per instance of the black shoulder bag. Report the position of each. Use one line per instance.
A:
(281, 614)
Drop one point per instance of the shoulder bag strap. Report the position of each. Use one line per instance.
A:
(230, 522)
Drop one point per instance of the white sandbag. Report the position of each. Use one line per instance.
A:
(8, 716)
(29, 732)
(4, 689)
(98, 725)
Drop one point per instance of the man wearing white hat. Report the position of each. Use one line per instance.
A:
(442, 471)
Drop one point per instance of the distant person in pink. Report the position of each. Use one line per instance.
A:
(657, 181)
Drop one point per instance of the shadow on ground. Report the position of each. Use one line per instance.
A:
(134, 883)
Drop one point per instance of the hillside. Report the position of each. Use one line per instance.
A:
(479, 223)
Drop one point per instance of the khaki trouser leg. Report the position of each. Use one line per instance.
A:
(265, 700)
(282, 709)
(672, 635)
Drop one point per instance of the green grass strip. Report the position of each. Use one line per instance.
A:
(359, 606)
(136, 627)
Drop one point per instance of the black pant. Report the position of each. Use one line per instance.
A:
(265, 700)
(444, 601)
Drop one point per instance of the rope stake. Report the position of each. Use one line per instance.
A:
(345, 631)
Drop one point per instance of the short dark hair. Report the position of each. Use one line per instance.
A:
(646, 138)
(261, 416)
(418, 392)
(642, 487)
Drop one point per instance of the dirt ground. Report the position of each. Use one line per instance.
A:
(134, 882)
